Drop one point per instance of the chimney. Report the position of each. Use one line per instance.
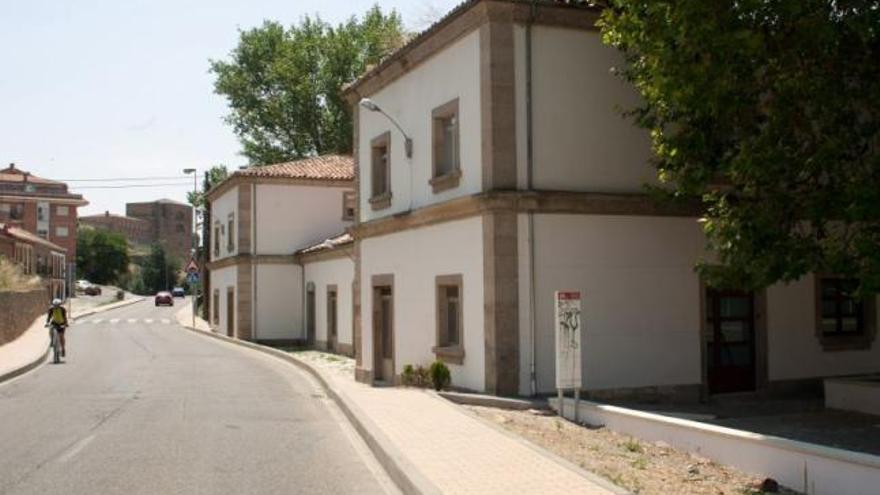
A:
(12, 166)
(106, 213)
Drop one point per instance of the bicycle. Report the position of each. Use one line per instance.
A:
(55, 342)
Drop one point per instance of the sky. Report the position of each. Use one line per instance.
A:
(97, 89)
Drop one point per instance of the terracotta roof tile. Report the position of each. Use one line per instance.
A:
(328, 244)
(325, 167)
(30, 237)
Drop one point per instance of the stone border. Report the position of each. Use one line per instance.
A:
(404, 474)
(43, 357)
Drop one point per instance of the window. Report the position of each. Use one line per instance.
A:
(843, 321)
(216, 239)
(449, 319)
(380, 164)
(42, 213)
(230, 230)
(62, 211)
(215, 307)
(348, 205)
(61, 232)
(44, 233)
(16, 212)
(446, 170)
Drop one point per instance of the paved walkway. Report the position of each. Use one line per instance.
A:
(451, 449)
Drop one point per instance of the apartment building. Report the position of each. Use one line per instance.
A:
(43, 207)
(508, 173)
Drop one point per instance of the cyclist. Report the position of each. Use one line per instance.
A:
(58, 318)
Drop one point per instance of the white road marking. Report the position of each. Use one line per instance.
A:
(97, 320)
(148, 320)
(114, 321)
(132, 320)
(166, 321)
(76, 448)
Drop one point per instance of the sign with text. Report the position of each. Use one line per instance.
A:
(567, 305)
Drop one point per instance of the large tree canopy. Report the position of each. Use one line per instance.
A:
(284, 86)
(101, 256)
(770, 111)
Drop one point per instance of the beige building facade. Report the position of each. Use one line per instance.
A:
(259, 219)
(524, 179)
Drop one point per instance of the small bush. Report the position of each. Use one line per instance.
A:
(12, 278)
(422, 378)
(408, 376)
(440, 376)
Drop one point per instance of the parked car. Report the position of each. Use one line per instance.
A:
(164, 297)
(92, 290)
(82, 285)
(178, 292)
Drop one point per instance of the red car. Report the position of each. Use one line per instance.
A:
(164, 297)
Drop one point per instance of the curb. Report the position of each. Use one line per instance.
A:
(471, 399)
(42, 358)
(404, 474)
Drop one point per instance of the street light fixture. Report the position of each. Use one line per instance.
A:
(373, 107)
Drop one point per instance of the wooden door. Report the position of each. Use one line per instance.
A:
(383, 327)
(730, 341)
(310, 317)
(332, 318)
(230, 312)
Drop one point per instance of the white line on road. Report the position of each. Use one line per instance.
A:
(132, 320)
(76, 448)
(166, 321)
(97, 320)
(114, 321)
(148, 320)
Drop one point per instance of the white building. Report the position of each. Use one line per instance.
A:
(260, 217)
(525, 179)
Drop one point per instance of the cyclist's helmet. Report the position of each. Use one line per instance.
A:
(56, 302)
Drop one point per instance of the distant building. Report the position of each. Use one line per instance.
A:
(135, 230)
(36, 256)
(170, 224)
(40, 206)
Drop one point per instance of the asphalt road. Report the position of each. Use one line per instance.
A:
(142, 405)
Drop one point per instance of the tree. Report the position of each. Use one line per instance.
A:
(214, 176)
(284, 86)
(159, 272)
(101, 256)
(770, 112)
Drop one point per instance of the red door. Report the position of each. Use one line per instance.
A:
(730, 323)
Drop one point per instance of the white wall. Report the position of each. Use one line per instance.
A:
(640, 297)
(794, 350)
(581, 141)
(278, 302)
(221, 280)
(452, 73)
(339, 272)
(220, 209)
(291, 217)
(415, 258)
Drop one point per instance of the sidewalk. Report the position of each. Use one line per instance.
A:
(30, 348)
(437, 445)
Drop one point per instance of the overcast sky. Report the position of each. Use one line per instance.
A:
(101, 88)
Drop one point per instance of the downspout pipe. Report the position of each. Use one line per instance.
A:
(533, 375)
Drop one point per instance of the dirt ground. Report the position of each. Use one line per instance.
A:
(641, 467)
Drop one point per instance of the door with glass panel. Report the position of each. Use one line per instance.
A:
(730, 341)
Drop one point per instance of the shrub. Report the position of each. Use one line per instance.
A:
(408, 376)
(422, 378)
(12, 278)
(440, 376)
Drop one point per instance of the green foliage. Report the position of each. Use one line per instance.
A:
(284, 86)
(408, 377)
(440, 375)
(159, 272)
(214, 176)
(101, 256)
(769, 112)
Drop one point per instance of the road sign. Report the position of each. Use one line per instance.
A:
(192, 277)
(568, 339)
(192, 267)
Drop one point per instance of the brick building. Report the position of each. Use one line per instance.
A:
(136, 230)
(36, 256)
(170, 224)
(41, 206)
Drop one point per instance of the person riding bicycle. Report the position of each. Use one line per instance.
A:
(57, 317)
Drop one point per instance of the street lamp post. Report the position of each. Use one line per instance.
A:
(194, 287)
(373, 107)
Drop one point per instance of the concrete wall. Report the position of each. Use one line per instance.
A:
(18, 310)
(640, 298)
(221, 280)
(278, 303)
(794, 350)
(220, 209)
(581, 140)
(339, 272)
(293, 217)
(415, 258)
(452, 73)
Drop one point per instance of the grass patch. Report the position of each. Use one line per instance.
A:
(640, 463)
(632, 445)
(12, 278)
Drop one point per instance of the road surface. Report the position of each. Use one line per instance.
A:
(143, 406)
